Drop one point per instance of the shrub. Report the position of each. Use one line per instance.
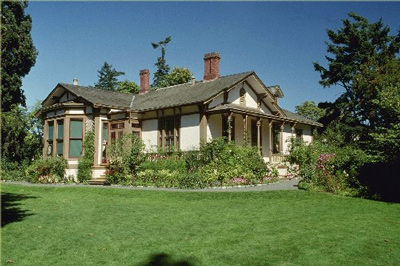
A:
(192, 180)
(125, 154)
(86, 162)
(13, 171)
(49, 170)
(327, 167)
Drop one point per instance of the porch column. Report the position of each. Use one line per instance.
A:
(281, 137)
(270, 139)
(203, 122)
(293, 129)
(245, 131)
(230, 128)
(45, 137)
(259, 135)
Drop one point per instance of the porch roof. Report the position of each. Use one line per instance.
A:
(236, 108)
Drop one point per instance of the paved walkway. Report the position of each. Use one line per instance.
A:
(282, 184)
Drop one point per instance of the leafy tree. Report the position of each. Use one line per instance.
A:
(128, 87)
(108, 77)
(310, 110)
(18, 54)
(383, 109)
(162, 67)
(178, 75)
(21, 134)
(356, 44)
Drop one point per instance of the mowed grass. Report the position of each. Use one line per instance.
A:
(110, 226)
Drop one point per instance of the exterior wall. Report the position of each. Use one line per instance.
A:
(265, 139)
(189, 132)
(287, 135)
(265, 109)
(251, 98)
(214, 127)
(239, 129)
(307, 133)
(150, 133)
(217, 101)
(99, 137)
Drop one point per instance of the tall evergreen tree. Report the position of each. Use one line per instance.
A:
(108, 77)
(355, 44)
(18, 54)
(162, 67)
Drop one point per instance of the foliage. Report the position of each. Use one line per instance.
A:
(12, 170)
(310, 110)
(381, 108)
(192, 180)
(86, 162)
(218, 162)
(21, 134)
(178, 75)
(48, 170)
(354, 47)
(108, 77)
(127, 86)
(162, 67)
(328, 167)
(125, 155)
(18, 54)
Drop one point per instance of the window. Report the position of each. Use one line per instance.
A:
(169, 134)
(276, 139)
(75, 138)
(242, 96)
(104, 143)
(116, 130)
(299, 133)
(50, 137)
(60, 137)
(136, 129)
(225, 132)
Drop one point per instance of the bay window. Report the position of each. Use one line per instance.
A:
(75, 138)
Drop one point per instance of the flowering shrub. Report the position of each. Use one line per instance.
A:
(326, 167)
(237, 181)
(49, 170)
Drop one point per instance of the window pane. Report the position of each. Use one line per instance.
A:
(75, 148)
(76, 129)
(60, 148)
(104, 132)
(50, 130)
(60, 129)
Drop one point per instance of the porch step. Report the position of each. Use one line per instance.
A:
(98, 181)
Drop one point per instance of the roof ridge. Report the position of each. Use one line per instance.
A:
(95, 88)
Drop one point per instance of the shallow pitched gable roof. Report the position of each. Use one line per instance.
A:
(100, 97)
(185, 94)
(302, 119)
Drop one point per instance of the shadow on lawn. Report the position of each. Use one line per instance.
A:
(10, 210)
(163, 259)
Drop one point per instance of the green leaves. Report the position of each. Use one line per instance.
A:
(18, 54)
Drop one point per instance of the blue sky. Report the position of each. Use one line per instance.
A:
(278, 40)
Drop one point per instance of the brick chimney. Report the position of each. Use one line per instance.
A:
(211, 66)
(144, 81)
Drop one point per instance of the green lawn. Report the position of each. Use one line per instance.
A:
(108, 226)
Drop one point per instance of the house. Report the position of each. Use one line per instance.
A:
(239, 107)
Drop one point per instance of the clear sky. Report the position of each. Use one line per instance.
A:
(278, 40)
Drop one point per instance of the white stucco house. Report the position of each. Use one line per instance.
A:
(239, 106)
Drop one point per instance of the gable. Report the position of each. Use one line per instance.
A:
(249, 93)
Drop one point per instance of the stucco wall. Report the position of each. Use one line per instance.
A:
(287, 135)
(239, 130)
(190, 132)
(234, 96)
(149, 133)
(217, 101)
(214, 127)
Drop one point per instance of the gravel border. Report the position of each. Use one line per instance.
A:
(281, 184)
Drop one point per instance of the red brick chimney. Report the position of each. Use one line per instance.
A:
(211, 66)
(144, 81)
